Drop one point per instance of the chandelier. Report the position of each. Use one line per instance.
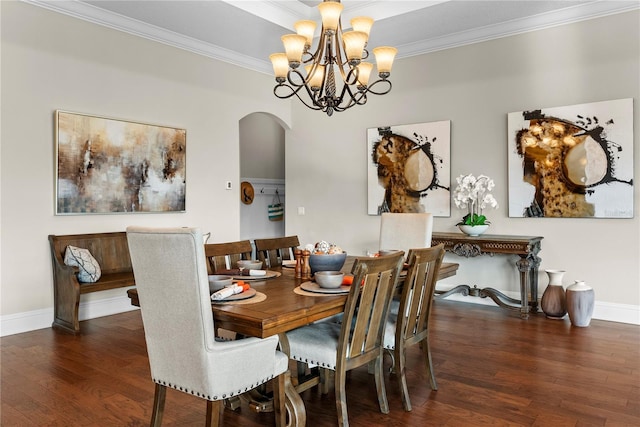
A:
(338, 53)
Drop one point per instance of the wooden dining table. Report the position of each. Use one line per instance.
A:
(283, 310)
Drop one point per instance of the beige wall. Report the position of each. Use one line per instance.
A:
(475, 87)
(51, 61)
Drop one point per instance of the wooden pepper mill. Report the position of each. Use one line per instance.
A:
(306, 269)
(298, 256)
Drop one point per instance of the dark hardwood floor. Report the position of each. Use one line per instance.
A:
(492, 369)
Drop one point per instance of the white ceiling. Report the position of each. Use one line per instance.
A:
(245, 32)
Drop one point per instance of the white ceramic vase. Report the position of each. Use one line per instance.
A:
(580, 301)
(554, 302)
(473, 230)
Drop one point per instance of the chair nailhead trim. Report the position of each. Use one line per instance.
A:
(212, 398)
(321, 364)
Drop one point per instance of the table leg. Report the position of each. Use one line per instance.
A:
(535, 266)
(259, 401)
(295, 406)
(524, 266)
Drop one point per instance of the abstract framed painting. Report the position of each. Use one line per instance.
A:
(409, 168)
(106, 166)
(572, 162)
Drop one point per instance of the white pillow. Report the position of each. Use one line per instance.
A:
(89, 268)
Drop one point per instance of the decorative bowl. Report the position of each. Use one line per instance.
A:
(473, 230)
(327, 262)
(219, 281)
(329, 279)
(250, 264)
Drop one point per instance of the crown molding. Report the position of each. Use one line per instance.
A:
(138, 28)
(542, 21)
(294, 10)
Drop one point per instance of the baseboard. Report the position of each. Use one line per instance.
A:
(39, 319)
(621, 313)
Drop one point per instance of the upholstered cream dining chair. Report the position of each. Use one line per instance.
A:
(356, 341)
(408, 320)
(404, 231)
(171, 278)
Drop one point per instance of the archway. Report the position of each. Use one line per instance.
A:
(262, 164)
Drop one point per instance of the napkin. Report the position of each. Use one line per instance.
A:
(229, 291)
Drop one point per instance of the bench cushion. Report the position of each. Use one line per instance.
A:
(89, 269)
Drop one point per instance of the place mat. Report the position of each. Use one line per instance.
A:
(258, 297)
(315, 288)
(300, 291)
(270, 275)
(249, 293)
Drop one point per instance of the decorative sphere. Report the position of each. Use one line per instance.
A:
(326, 262)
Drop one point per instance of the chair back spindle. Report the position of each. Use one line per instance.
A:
(275, 250)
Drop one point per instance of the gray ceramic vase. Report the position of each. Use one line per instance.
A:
(553, 302)
(580, 301)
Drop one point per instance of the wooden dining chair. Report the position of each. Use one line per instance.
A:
(404, 231)
(408, 319)
(274, 250)
(173, 290)
(221, 256)
(357, 340)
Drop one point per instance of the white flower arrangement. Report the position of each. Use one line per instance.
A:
(474, 194)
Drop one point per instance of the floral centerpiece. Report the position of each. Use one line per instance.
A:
(474, 195)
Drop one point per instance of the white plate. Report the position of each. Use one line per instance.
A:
(314, 287)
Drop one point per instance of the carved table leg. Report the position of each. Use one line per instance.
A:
(524, 266)
(462, 289)
(259, 401)
(535, 261)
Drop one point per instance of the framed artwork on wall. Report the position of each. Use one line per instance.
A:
(409, 168)
(106, 165)
(572, 162)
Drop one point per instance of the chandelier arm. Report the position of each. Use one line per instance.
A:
(294, 88)
(295, 92)
(383, 92)
(357, 98)
(291, 85)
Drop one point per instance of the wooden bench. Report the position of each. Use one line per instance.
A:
(111, 250)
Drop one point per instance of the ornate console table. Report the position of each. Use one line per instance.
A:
(526, 247)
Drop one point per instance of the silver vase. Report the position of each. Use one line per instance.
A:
(580, 302)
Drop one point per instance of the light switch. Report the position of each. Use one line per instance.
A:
(227, 185)
(300, 210)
